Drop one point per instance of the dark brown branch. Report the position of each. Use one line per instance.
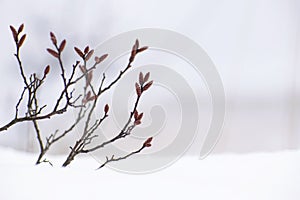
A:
(87, 135)
(55, 111)
(117, 79)
(134, 52)
(112, 159)
(89, 99)
(86, 138)
(77, 148)
(122, 133)
(17, 55)
(38, 134)
(52, 139)
(19, 102)
(33, 87)
(126, 130)
(146, 144)
(79, 118)
(31, 118)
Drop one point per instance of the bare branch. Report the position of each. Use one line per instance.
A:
(80, 146)
(146, 144)
(88, 99)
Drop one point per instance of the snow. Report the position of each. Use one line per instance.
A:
(225, 176)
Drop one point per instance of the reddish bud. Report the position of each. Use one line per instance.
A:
(92, 98)
(89, 78)
(137, 44)
(138, 89)
(99, 60)
(79, 52)
(138, 122)
(89, 55)
(131, 59)
(47, 70)
(62, 45)
(84, 101)
(88, 95)
(141, 78)
(86, 49)
(140, 116)
(147, 86)
(137, 118)
(106, 108)
(88, 98)
(53, 38)
(146, 77)
(53, 53)
(22, 40)
(142, 49)
(134, 51)
(21, 28)
(136, 114)
(14, 33)
(82, 68)
(147, 143)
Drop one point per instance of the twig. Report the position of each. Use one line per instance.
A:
(89, 99)
(146, 144)
(80, 145)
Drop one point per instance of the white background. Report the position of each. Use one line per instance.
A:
(254, 45)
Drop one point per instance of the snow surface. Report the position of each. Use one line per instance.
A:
(253, 176)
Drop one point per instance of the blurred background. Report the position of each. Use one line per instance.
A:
(254, 44)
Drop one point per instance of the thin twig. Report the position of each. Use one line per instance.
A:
(146, 144)
(112, 159)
